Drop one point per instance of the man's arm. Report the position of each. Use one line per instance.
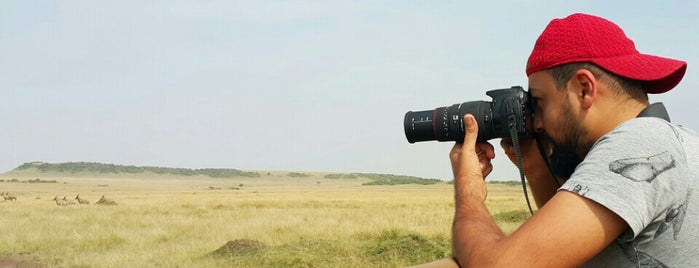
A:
(568, 231)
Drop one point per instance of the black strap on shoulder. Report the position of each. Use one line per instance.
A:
(655, 110)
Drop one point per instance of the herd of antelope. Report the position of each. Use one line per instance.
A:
(69, 202)
(82, 201)
(65, 201)
(8, 197)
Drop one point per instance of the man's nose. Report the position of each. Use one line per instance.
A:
(538, 124)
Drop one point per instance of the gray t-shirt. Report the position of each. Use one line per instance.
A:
(647, 172)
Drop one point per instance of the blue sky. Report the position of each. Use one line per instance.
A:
(281, 85)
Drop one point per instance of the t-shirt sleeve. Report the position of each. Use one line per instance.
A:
(638, 171)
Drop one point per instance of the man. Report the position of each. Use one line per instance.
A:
(632, 199)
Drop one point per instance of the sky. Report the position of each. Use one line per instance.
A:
(282, 85)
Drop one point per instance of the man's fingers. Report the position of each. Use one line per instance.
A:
(507, 145)
(471, 132)
(485, 148)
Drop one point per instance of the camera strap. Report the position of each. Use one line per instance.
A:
(655, 110)
(518, 155)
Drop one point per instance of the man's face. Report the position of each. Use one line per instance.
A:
(555, 114)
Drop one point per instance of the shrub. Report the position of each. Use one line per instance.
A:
(388, 179)
(298, 175)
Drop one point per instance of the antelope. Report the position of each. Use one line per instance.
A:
(60, 202)
(7, 196)
(81, 200)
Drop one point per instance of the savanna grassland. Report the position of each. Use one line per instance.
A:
(279, 219)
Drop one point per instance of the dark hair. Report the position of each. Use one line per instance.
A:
(633, 88)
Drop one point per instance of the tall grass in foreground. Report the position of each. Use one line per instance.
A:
(304, 226)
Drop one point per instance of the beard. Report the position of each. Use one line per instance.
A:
(575, 135)
(565, 154)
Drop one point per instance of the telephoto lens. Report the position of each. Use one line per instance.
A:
(446, 123)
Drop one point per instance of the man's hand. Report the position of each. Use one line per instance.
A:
(470, 161)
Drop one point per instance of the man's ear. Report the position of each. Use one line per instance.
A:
(584, 86)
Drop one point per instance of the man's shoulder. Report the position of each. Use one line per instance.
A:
(656, 132)
(644, 124)
(639, 134)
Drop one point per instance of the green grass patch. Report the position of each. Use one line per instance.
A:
(397, 245)
(514, 216)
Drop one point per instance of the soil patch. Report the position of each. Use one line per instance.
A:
(19, 262)
(239, 247)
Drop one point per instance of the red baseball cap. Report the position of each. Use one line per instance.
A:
(587, 38)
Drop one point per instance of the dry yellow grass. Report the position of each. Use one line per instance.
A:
(180, 221)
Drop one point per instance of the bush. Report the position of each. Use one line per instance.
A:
(298, 175)
(41, 181)
(341, 176)
(388, 179)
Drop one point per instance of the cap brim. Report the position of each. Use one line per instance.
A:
(660, 74)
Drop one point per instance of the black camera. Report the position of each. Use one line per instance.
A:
(509, 113)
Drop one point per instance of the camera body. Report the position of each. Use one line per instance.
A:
(509, 112)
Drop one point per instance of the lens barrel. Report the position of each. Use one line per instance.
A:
(447, 123)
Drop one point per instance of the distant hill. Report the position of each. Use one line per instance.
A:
(100, 168)
(91, 167)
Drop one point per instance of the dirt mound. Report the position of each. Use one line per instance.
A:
(19, 261)
(105, 201)
(239, 247)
